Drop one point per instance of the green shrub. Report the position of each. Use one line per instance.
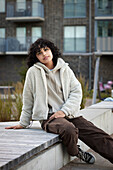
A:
(17, 105)
(11, 107)
(23, 70)
(85, 91)
(6, 107)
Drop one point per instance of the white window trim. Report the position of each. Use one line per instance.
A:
(2, 9)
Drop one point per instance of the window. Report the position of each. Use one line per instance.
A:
(36, 33)
(74, 8)
(20, 5)
(36, 6)
(105, 28)
(2, 32)
(2, 39)
(2, 5)
(21, 37)
(74, 39)
(105, 7)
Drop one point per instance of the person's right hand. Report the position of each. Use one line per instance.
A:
(15, 127)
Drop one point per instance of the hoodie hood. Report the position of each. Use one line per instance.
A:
(60, 64)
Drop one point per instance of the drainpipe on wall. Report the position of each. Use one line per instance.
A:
(90, 44)
(96, 75)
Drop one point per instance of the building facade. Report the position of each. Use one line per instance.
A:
(77, 27)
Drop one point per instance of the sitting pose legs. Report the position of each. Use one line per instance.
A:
(70, 130)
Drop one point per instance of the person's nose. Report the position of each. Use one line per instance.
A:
(44, 53)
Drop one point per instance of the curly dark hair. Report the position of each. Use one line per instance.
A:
(36, 46)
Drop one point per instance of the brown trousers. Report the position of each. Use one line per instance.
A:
(70, 130)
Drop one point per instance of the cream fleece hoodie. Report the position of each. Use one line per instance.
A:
(55, 95)
(35, 93)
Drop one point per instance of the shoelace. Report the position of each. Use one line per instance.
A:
(85, 156)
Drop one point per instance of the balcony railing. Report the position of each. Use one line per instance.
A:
(2, 45)
(104, 9)
(104, 44)
(18, 45)
(12, 44)
(22, 10)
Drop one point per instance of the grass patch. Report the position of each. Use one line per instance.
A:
(11, 107)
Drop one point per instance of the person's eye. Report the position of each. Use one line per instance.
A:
(46, 49)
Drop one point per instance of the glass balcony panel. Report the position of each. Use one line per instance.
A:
(27, 9)
(2, 44)
(37, 9)
(14, 45)
(22, 44)
(20, 5)
(104, 44)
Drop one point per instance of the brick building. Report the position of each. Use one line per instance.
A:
(77, 27)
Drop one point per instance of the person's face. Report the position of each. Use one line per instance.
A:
(45, 56)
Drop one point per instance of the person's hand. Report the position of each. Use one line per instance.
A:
(58, 114)
(15, 127)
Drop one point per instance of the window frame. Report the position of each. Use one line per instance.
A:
(2, 40)
(74, 16)
(24, 41)
(106, 29)
(75, 40)
(3, 7)
(20, 7)
(32, 33)
(4, 32)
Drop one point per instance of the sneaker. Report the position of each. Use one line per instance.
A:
(86, 156)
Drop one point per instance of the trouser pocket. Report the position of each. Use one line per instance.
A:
(45, 124)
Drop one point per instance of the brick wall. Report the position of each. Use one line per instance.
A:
(52, 29)
(106, 69)
(9, 68)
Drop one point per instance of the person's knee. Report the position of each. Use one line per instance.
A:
(70, 130)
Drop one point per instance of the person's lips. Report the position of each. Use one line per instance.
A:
(46, 57)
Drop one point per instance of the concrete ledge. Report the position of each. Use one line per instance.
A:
(102, 105)
(17, 146)
(35, 149)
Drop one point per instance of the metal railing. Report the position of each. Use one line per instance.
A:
(104, 44)
(33, 9)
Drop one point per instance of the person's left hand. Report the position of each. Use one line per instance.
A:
(58, 114)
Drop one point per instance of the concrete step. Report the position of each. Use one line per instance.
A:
(100, 164)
